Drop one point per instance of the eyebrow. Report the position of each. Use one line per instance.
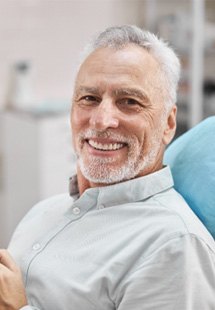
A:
(86, 89)
(131, 92)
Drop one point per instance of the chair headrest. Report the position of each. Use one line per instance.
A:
(192, 160)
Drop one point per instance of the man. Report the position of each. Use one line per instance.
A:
(124, 238)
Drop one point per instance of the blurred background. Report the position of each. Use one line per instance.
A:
(40, 44)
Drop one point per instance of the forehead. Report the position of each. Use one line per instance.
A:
(128, 53)
(131, 64)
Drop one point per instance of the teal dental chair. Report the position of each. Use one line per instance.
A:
(192, 160)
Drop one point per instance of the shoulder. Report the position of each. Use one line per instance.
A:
(58, 203)
(184, 220)
(38, 222)
(43, 214)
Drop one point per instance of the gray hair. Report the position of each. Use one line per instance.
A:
(118, 37)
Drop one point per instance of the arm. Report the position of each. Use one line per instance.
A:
(179, 275)
(12, 291)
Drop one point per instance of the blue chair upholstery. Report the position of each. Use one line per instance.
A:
(192, 160)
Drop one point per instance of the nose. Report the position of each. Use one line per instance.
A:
(104, 116)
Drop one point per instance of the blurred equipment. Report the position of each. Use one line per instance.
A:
(20, 93)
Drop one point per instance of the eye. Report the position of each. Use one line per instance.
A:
(130, 101)
(88, 100)
(130, 104)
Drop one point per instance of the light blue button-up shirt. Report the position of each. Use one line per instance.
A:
(135, 245)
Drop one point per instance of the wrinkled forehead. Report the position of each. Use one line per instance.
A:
(129, 54)
(133, 63)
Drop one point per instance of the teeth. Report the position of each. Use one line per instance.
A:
(105, 147)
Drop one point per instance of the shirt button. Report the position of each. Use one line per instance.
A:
(76, 210)
(36, 246)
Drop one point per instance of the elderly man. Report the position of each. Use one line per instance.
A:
(124, 238)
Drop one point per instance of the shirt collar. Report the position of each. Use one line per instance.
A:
(125, 192)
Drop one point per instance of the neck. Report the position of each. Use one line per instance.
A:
(84, 184)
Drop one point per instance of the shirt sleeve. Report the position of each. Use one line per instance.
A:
(179, 275)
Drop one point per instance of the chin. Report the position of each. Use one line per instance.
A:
(107, 174)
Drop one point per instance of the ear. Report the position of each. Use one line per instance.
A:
(170, 127)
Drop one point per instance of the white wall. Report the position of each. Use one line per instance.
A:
(50, 34)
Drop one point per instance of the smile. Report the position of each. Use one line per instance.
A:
(105, 146)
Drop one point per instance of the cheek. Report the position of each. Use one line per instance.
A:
(79, 119)
(75, 126)
(79, 123)
(147, 137)
(139, 132)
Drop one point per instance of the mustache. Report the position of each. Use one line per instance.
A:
(92, 133)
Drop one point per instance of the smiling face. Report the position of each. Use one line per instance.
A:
(118, 117)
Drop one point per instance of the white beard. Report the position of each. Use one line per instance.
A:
(102, 170)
